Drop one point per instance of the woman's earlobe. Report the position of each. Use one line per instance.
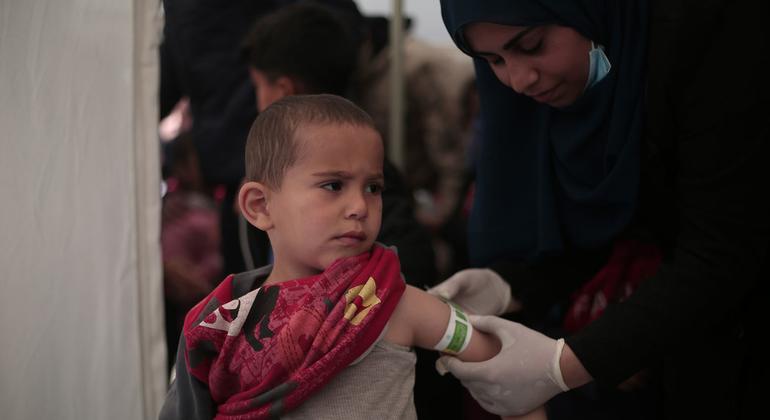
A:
(253, 203)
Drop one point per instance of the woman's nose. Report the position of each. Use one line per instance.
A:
(521, 77)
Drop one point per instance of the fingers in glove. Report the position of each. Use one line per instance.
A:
(503, 329)
(447, 289)
(446, 292)
(484, 401)
(466, 371)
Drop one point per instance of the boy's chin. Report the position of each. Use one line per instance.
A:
(347, 253)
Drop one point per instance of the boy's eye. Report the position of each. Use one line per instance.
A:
(374, 188)
(332, 186)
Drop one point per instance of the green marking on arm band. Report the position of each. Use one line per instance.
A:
(460, 314)
(458, 338)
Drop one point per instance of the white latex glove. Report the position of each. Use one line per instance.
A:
(523, 376)
(478, 290)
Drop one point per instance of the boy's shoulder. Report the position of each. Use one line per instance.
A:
(248, 281)
(232, 287)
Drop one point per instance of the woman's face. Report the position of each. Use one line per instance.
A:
(547, 63)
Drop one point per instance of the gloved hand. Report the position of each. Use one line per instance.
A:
(524, 375)
(480, 291)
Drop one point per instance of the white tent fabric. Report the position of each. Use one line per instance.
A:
(81, 290)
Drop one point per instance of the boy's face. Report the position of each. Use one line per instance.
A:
(329, 204)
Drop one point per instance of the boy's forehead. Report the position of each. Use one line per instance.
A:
(320, 131)
(332, 141)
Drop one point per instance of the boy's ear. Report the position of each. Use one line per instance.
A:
(284, 84)
(253, 76)
(252, 200)
(287, 85)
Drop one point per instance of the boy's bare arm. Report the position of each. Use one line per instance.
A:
(421, 319)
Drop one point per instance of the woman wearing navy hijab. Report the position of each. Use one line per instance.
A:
(604, 120)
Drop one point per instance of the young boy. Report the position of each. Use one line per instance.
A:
(326, 331)
(311, 48)
(321, 58)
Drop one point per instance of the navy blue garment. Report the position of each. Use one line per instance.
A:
(553, 179)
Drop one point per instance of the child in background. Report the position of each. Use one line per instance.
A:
(326, 331)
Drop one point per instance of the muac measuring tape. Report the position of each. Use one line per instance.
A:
(458, 332)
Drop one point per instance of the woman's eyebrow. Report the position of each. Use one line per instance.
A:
(510, 43)
(516, 38)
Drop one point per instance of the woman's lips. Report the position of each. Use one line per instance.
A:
(545, 96)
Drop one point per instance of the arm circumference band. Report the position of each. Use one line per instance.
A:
(458, 332)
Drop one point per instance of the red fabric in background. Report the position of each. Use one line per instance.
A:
(630, 263)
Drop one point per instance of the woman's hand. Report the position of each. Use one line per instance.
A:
(523, 376)
(479, 291)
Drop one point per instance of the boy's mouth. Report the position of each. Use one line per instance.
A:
(352, 237)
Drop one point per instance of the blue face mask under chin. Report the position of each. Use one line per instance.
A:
(599, 65)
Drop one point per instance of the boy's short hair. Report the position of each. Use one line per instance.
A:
(310, 42)
(271, 147)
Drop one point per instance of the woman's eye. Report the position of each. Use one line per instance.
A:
(496, 60)
(332, 186)
(531, 49)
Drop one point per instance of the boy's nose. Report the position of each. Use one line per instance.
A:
(357, 207)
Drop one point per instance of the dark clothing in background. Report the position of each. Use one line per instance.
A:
(202, 40)
(200, 59)
(704, 195)
(401, 229)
